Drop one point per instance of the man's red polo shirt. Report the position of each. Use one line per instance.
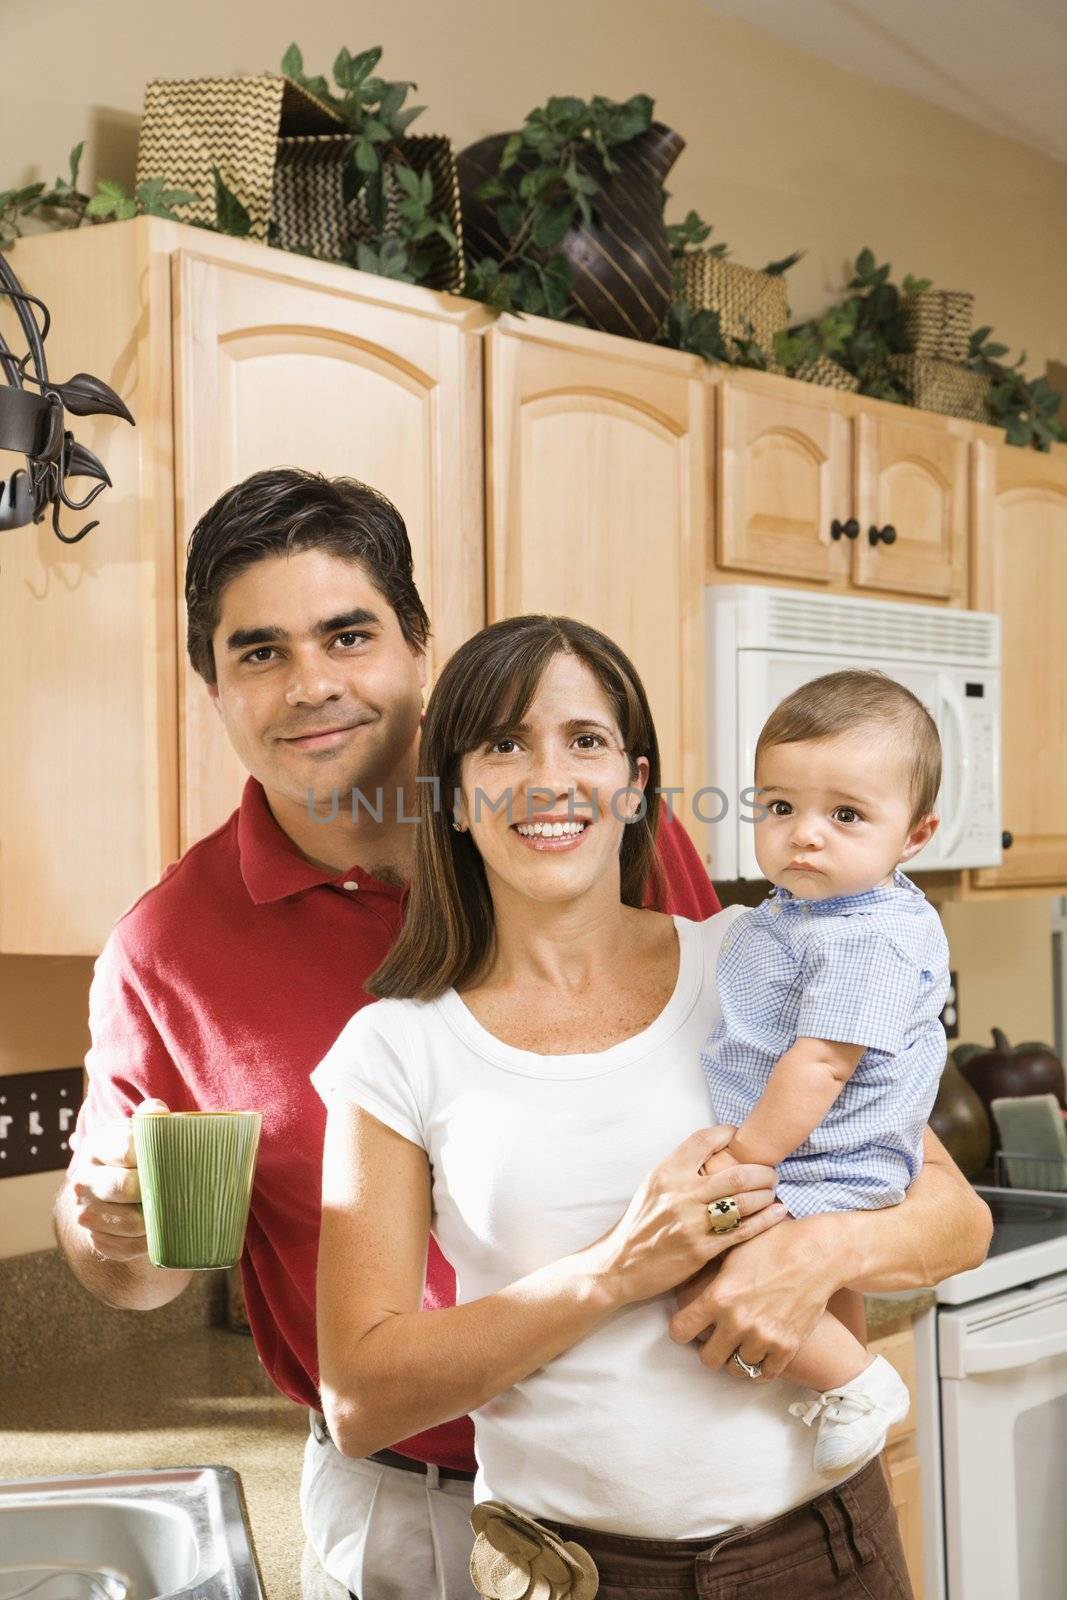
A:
(221, 988)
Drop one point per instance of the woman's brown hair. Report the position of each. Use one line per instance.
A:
(486, 688)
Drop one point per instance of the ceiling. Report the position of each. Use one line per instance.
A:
(1001, 63)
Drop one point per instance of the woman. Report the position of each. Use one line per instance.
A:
(529, 1088)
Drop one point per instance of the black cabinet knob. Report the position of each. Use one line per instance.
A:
(887, 535)
(1006, 840)
(849, 529)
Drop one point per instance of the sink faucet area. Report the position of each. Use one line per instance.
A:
(127, 1536)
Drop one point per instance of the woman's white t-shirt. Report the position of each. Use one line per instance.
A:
(533, 1157)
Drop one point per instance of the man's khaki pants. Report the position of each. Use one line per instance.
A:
(380, 1533)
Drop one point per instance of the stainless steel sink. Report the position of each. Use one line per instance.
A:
(127, 1536)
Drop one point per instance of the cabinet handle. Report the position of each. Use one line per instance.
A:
(850, 529)
(1006, 840)
(887, 534)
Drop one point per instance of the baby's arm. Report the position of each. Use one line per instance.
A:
(799, 1093)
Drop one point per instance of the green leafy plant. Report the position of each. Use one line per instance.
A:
(690, 234)
(547, 179)
(66, 206)
(64, 201)
(149, 199)
(14, 205)
(230, 215)
(700, 332)
(827, 335)
(860, 333)
(398, 200)
(1025, 408)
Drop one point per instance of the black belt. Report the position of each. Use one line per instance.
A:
(390, 1458)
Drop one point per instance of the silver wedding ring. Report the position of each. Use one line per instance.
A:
(724, 1215)
(751, 1370)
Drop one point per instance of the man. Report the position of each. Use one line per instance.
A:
(225, 984)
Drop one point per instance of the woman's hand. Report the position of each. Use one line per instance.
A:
(664, 1238)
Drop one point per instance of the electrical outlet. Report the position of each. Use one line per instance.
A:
(38, 1111)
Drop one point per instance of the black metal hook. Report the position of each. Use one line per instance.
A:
(71, 538)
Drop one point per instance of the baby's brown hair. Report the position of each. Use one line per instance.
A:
(840, 702)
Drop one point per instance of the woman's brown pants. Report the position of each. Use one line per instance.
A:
(843, 1544)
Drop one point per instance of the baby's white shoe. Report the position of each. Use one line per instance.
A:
(854, 1418)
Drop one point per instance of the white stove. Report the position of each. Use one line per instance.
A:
(992, 1425)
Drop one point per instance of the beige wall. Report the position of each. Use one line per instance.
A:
(1003, 954)
(784, 150)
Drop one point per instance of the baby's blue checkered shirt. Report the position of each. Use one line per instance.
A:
(870, 969)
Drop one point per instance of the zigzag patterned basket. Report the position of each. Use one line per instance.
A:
(283, 154)
(944, 386)
(937, 323)
(744, 297)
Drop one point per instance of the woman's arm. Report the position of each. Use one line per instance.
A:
(389, 1369)
(772, 1292)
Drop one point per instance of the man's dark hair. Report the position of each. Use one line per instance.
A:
(284, 510)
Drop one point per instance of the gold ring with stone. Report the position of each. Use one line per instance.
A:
(724, 1215)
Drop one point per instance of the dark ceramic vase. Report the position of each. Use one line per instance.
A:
(959, 1119)
(621, 272)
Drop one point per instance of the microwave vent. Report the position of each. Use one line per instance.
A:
(852, 627)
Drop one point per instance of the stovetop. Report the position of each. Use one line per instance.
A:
(1023, 1217)
(1029, 1243)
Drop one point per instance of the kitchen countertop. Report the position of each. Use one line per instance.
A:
(201, 1400)
(888, 1313)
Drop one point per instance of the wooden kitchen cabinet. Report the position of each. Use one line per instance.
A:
(88, 700)
(901, 1454)
(808, 480)
(783, 471)
(346, 378)
(1019, 570)
(904, 1490)
(232, 357)
(597, 502)
(911, 479)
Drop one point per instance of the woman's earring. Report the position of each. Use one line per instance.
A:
(459, 827)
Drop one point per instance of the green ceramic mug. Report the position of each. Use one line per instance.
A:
(196, 1170)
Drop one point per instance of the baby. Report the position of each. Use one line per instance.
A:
(830, 1048)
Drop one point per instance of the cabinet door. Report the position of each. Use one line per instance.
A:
(380, 383)
(905, 1492)
(1020, 570)
(783, 479)
(913, 479)
(598, 508)
(88, 702)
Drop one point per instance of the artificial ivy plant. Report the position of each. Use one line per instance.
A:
(374, 112)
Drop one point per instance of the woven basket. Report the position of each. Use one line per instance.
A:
(825, 370)
(937, 323)
(943, 386)
(310, 212)
(282, 153)
(741, 296)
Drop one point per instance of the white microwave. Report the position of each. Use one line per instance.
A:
(764, 642)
